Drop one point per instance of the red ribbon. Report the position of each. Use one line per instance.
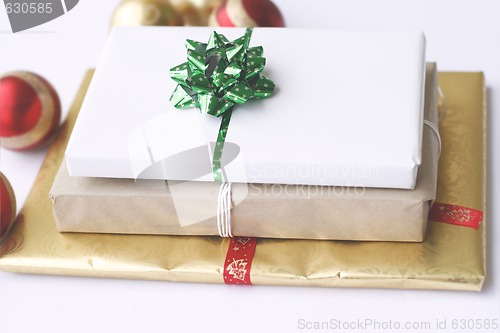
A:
(239, 259)
(456, 215)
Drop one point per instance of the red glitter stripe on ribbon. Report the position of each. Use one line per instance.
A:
(457, 215)
(239, 259)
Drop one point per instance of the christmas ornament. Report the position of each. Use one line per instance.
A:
(195, 12)
(30, 110)
(7, 205)
(145, 12)
(247, 13)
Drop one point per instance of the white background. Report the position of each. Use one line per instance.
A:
(461, 36)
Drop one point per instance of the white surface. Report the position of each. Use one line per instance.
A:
(347, 110)
(461, 35)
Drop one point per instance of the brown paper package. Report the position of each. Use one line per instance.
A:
(126, 206)
(450, 257)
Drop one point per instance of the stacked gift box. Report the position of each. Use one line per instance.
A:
(312, 152)
(333, 175)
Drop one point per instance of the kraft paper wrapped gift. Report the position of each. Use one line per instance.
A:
(276, 211)
(347, 110)
(452, 255)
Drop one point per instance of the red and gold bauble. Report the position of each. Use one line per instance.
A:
(7, 205)
(247, 13)
(30, 110)
(146, 12)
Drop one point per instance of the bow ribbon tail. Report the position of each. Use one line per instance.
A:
(217, 170)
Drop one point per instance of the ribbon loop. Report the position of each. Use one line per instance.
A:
(181, 99)
(197, 46)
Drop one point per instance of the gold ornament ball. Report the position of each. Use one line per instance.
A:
(145, 12)
(195, 12)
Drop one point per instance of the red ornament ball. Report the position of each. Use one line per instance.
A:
(7, 205)
(247, 13)
(30, 110)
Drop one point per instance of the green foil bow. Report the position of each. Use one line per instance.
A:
(217, 76)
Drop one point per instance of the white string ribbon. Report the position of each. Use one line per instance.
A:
(435, 129)
(443, 104)
(224, 210)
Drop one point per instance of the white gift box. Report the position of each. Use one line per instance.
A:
(347, 111)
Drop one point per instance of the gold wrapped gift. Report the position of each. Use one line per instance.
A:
(451, 257)
(270, 211)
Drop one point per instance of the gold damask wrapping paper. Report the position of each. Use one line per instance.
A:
(125, 206)
(451, 257)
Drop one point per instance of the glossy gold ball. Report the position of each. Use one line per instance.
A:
(195, 12)
(146, 12)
